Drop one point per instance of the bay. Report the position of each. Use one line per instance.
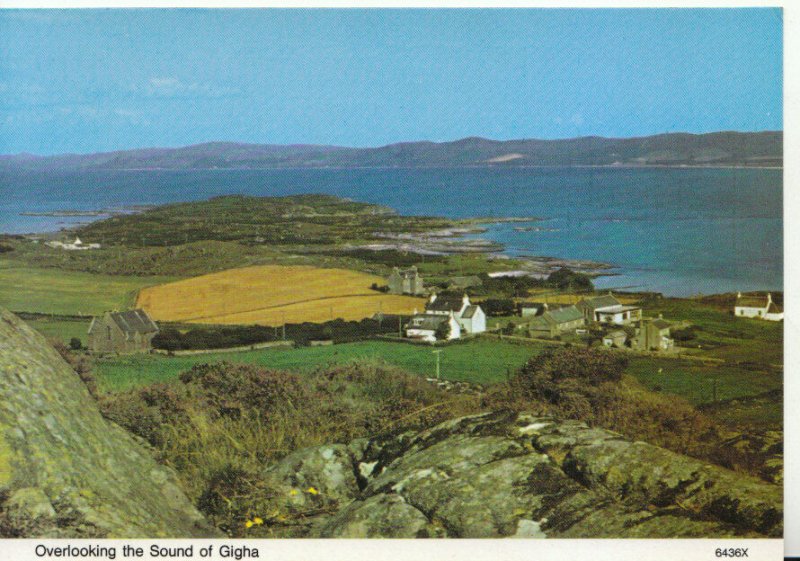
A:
(680, 231)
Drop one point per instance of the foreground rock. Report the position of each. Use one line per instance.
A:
(508, 475)
(64, 470)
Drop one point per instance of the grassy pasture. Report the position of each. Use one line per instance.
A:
(479, 360)
(273, 295)
(51, 291)
(60, 328)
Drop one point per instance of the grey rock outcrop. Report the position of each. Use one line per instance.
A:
(64, 470)
(509, 475)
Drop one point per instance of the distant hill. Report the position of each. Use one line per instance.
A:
(759, 149)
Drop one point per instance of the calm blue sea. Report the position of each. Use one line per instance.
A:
(678, 231)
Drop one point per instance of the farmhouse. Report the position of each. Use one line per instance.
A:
(607, 309)
(653, 335)
(405, 281)
(762, 307)
(76, 245)
(428, 327)
(470, 317)
(555, 322)
(122, 332)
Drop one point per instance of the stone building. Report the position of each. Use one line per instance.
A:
(122, 332)
(556, 321)
(653, 335)
(405, 281)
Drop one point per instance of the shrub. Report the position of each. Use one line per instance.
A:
(148, 412)
(499, 306)
(75, 344)
(587, 365)
(565, 278)
(687, 334)
(81, 364)
(231, 388)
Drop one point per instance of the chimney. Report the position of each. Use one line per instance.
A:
(433, 297)
(738, 294)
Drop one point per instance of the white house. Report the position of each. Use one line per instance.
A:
(77, 245)
(607, 309)
(425, 326)
(470, 317)
(762, 307)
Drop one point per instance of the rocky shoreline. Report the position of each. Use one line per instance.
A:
(452, 241)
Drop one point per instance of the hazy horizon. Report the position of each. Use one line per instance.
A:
(398, 142)
(88, 81)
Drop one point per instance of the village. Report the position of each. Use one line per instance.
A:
(450, 314)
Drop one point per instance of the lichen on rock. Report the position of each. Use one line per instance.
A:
(64, 470)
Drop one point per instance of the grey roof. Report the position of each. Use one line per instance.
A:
(541, 321)
(469, 311)
(133, 321)
(774, 309)
(446, 302)
(427, 321)
(604, 301)
(661, 324)
(565, 314)
(751, 301)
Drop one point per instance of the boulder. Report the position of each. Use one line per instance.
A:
(516, 475)
(65, 471)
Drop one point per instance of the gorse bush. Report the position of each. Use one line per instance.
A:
(229, 389)
(589, 385)
(224, 423)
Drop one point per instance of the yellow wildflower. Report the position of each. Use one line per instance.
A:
(293, 492)
(257, 521)
(248, 524)
(312, 491)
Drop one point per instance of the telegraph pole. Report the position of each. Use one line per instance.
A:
(437, 352)
(283, 319)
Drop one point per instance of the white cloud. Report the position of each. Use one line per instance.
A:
(576, 119)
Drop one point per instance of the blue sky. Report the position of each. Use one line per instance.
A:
(97, 80)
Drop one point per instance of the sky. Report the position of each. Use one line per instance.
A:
(83, 81)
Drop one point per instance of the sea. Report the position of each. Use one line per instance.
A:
(679, 231)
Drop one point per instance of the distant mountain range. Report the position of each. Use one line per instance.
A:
(757, 149)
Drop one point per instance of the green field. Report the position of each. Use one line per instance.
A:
(53, 291)
(61, 329)
(696, 382)
(720, 334)
(481, 361)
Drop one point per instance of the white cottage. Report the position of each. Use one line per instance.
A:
(470, 317)
(426, 327)
(754, 306)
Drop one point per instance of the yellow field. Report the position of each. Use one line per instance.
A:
(271, 295)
